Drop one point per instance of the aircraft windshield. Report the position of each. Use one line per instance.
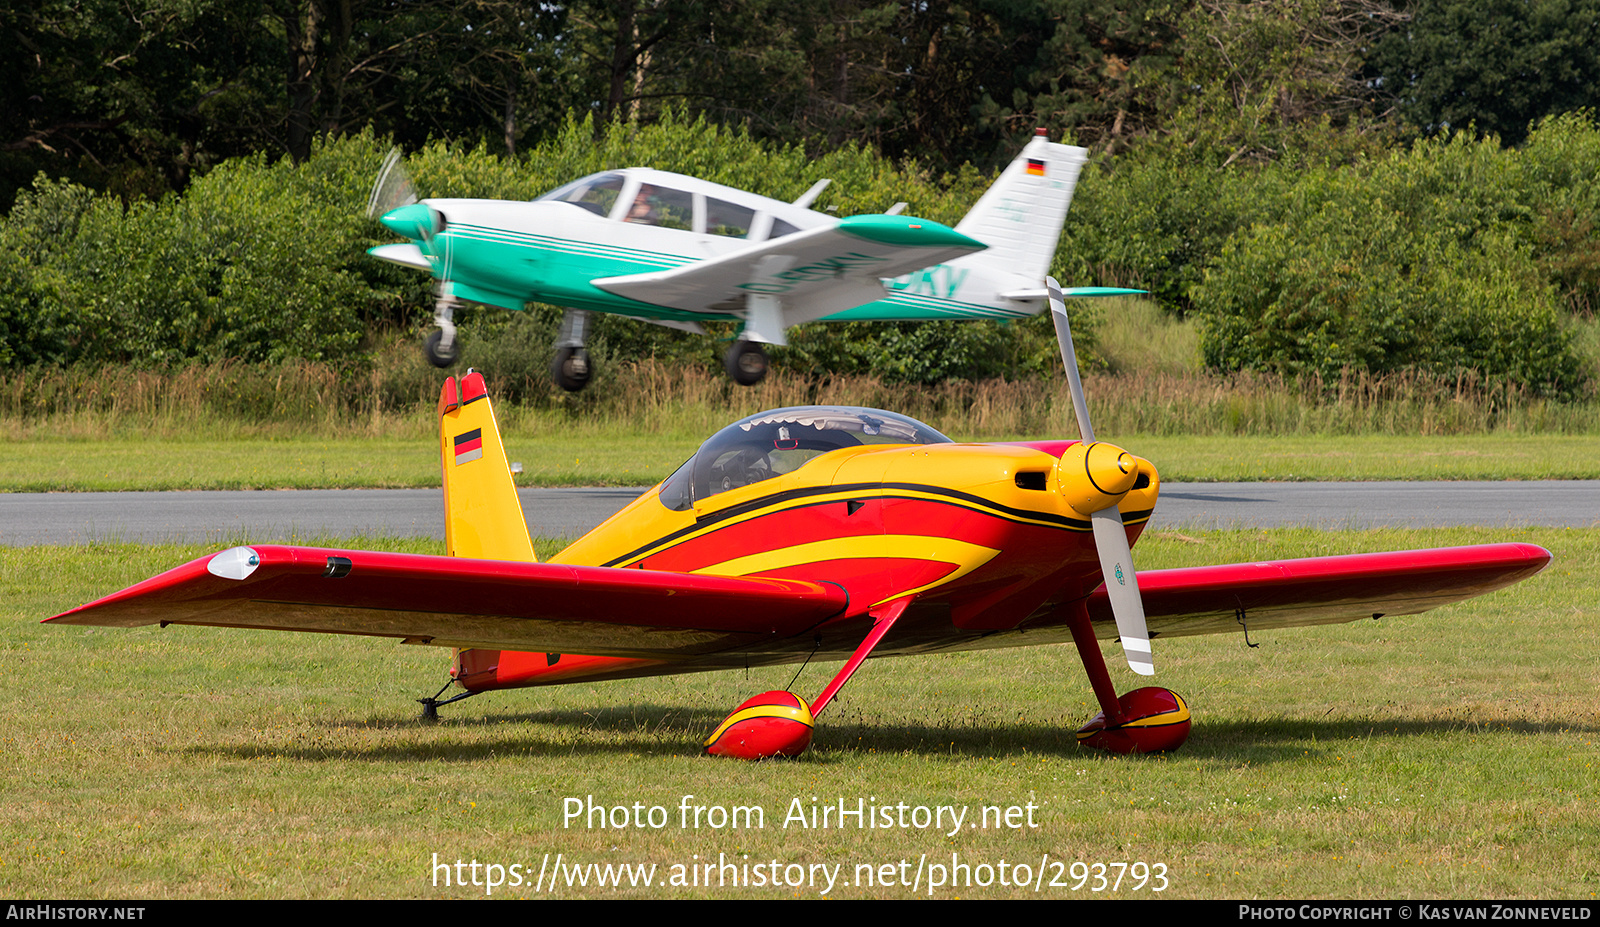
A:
(782, 441)
(597, 193)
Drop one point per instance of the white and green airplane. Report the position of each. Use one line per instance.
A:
(678, 251)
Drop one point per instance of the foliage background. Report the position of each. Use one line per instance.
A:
(1321, 186)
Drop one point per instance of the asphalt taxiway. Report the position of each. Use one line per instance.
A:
(301, 515)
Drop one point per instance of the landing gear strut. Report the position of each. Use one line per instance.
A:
(746, 362)
(1148, 720)
(780, 723)
(430, 706)
(440, 345)
(571, 368)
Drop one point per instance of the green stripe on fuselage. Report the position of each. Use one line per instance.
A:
(900, 309)
(511, 269)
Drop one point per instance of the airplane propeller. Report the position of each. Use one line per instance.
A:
(392, 189)
(393, 202)
(1110, 537)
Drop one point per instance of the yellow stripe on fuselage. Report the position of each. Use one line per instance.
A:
(965, 557)
(780, 504)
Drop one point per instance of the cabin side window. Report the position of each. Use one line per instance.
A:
(728, 219)
(663, 207)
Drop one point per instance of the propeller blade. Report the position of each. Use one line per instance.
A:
(1122, 587)
(1110, 537)
(1069, 359)
(392, 189)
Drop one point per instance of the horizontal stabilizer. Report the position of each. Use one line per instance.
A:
(1072, 292)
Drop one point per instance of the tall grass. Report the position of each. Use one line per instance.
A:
(395, 398)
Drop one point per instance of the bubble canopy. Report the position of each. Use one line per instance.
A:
(770, 444)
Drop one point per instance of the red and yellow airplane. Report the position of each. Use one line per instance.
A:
(814, 533)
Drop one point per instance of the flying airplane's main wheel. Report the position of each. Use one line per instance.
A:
(438, 357)
(571, 369)
(746, 362)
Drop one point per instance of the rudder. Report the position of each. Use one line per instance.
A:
(1021, 215)
(482, 516)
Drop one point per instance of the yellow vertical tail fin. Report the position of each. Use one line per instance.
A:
(482, 515)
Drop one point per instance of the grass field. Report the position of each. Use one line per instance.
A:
(1447, 755)
(554, 456)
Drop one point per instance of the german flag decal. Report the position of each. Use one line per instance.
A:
(1036, 167)
(469, 446)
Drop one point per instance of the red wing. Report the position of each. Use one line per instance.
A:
(458, 602)
(1322, 590)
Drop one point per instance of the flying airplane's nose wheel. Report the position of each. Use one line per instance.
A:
(438, 353)
(746, 362)
(571, 369)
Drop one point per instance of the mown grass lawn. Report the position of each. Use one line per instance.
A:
(555, 456)
(1446, 755)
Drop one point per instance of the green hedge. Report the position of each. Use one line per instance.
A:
(1449, 256)
(1424, 260)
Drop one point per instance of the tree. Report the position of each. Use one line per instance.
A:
(1498, 65)
(139, 103)
(1418, 261)
(1260, 79)
(1099, 69)
(131, 102)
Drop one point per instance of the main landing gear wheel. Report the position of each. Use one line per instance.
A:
(1156, 721)
(571, 369)
(746, 362)
(780, 723)
(436, 355)
(771, 724)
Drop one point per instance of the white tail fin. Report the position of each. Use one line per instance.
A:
(1021, 215)
(1019, 220)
